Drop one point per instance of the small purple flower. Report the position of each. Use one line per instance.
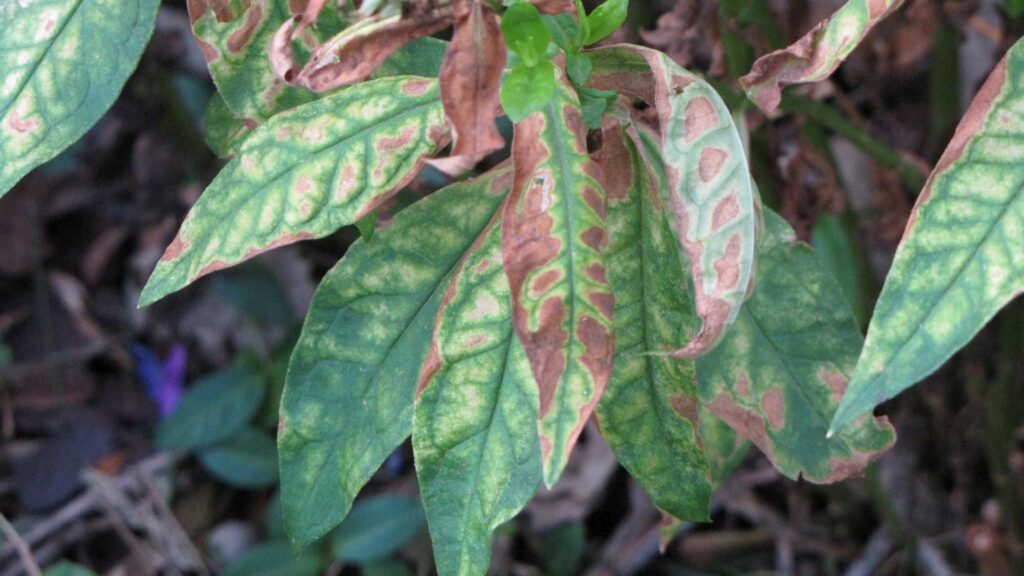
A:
(164, 381)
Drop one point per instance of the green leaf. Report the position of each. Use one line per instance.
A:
(235, 36)
(275, 558)
(68, 569)
(246, 460)
(564, 31)
(1014, 8)
(377, 528)
(553, 235)
(960, 260)
(648, 414)
(304, 174)
(606, 19)
(817, 55)
(836, 248)
(255, 292)
(224, 131)
(594, 104)
(711, 192)
(526, 34)
(64, 63)
(213, 409)
(527, 89)
(579, 68)
(421, 57)
(348, 401)
(777, 377)
(475, 431)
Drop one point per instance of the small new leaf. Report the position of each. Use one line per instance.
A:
(525, 33)
(527, 90)
(606, 19)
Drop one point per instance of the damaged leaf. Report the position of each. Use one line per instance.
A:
(960, 260)
(355, 53)
(778, 376)
(304, 174)
(235, 36)
(553, 236)
(475, 431)
(648, 413)
(711, 193)
(348, 400)
(817, 55)
(64, 63)
(470, 86)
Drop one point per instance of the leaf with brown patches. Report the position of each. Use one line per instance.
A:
(711, 193)
(553, 237)
(235, 36)
(62, 65)
(355, 53)
(648, 413)
(817, 55)
(348, 400)
(470, 86)
(475, 431)
(960, 260)
(305, 174)
(777, 377)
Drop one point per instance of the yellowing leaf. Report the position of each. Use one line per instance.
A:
(777, 377)
(817, 55)
(348, 401)
(553, 236)
(63, 63)
(304, 174)
(711, 193)
(475, 431)
(960, 260)
(648, 413)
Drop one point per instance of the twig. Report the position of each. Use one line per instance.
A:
(24, 552)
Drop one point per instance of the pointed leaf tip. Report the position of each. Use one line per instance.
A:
(959, 261)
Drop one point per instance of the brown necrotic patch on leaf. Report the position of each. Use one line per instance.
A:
(774, 407)
(711, 161)
(352, 55)
(554, 6)
(240, 38)
(700, 118)
(746, 422)
(221, 10)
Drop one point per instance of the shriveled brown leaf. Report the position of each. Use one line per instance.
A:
(470, 87)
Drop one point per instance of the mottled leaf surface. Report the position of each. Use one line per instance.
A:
(475, 431)
(235, 37)
(816, 55)
(778, 376)
(553, 237)
(648, 413)
(348, 401)
(711, 192)
(960, 260)
(304, 174)
(63, 63)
